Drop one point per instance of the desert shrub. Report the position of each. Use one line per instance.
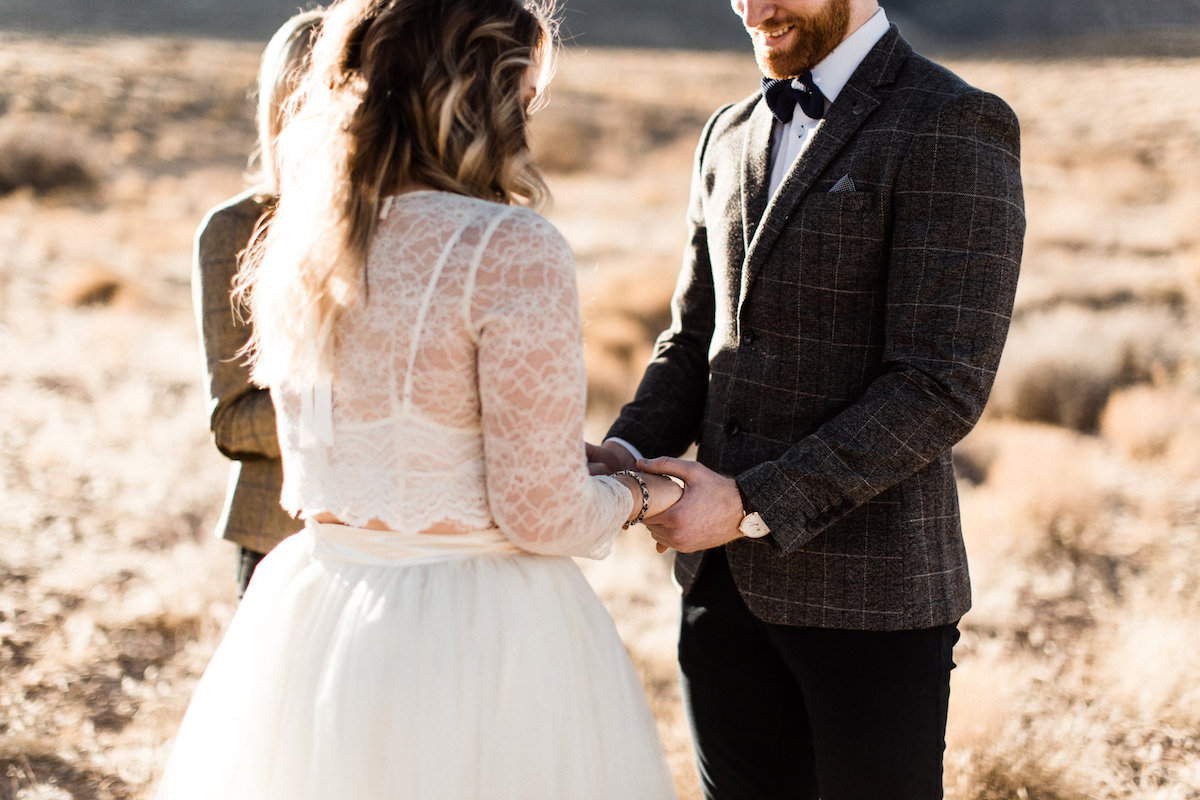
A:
(995, 777)
(624, 310)
(1141, 420)
(1044, 748)
(1191, 270)
(975, 454)
(50, 776)
(1068, 394)
(1148, 662)
(617, 349)
(91, 285)
(1046, 558)
(45, 155)
(1156, 422)
(594, 131)
(563, 140)
(970, 465)
(1077, 661)
(1061, 365)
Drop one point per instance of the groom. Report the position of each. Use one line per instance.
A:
(856, 234)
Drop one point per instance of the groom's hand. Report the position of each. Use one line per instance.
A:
(607, 458)
(707, 515)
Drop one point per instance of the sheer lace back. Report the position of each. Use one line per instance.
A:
(458, 395)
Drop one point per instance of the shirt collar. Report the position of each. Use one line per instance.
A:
(832, 74)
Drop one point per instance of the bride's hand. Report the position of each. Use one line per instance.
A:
(664, 493)
(674, 492)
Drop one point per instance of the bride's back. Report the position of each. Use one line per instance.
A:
(464, 304)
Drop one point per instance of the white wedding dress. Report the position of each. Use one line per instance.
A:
(367, 664)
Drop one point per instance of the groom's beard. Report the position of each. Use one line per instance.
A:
(815, 37)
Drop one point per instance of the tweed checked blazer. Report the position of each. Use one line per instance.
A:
(241, 415)
(827, 349)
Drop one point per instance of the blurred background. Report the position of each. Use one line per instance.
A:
(121, 123)
(931, 25)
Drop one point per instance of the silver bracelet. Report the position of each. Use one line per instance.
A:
(645, 497)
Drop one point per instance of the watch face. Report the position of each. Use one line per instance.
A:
(753, 526)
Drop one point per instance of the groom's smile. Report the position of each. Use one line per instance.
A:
(773, 36)
(791, 36)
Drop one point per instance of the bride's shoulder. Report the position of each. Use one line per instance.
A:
(523, 252)
(500, 219)
(501, 237)
(524, 227)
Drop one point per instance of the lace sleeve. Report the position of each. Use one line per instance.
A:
(532, 386)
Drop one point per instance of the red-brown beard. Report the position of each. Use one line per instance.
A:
(816, 37)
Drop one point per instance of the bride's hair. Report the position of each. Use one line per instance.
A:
(284, 63)
(400, 93)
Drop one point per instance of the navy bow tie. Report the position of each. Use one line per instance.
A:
(782, 97)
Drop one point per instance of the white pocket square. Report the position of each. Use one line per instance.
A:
(844, 184)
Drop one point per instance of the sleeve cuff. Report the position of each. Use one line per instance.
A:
(637, 454)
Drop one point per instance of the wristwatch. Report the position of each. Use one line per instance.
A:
(753, 526)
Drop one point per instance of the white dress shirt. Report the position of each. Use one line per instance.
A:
(830, 76)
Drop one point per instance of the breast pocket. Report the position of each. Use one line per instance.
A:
(840, 239)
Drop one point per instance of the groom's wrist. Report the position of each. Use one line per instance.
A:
(752, 526)
(634, 454)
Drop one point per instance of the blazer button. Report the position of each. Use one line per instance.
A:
(733, 427)
(748, 338)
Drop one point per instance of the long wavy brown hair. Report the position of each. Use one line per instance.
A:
(401, 93)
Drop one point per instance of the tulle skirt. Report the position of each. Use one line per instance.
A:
(364, 665)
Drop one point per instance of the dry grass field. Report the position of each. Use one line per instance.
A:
(1081, 488)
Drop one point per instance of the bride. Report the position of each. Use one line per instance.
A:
(427, 634)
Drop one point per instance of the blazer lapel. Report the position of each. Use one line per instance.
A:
(854, 105)
(756, 171)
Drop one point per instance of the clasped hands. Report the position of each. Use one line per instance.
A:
(699, 510)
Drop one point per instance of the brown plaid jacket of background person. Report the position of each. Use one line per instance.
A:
(241, 415)
(827, 349)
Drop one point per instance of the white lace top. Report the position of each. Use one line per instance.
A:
(459, 390)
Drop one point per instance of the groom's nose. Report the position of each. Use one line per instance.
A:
(753, 12)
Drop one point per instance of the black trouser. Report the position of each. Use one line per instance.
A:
(247, 562)
(785, 712)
